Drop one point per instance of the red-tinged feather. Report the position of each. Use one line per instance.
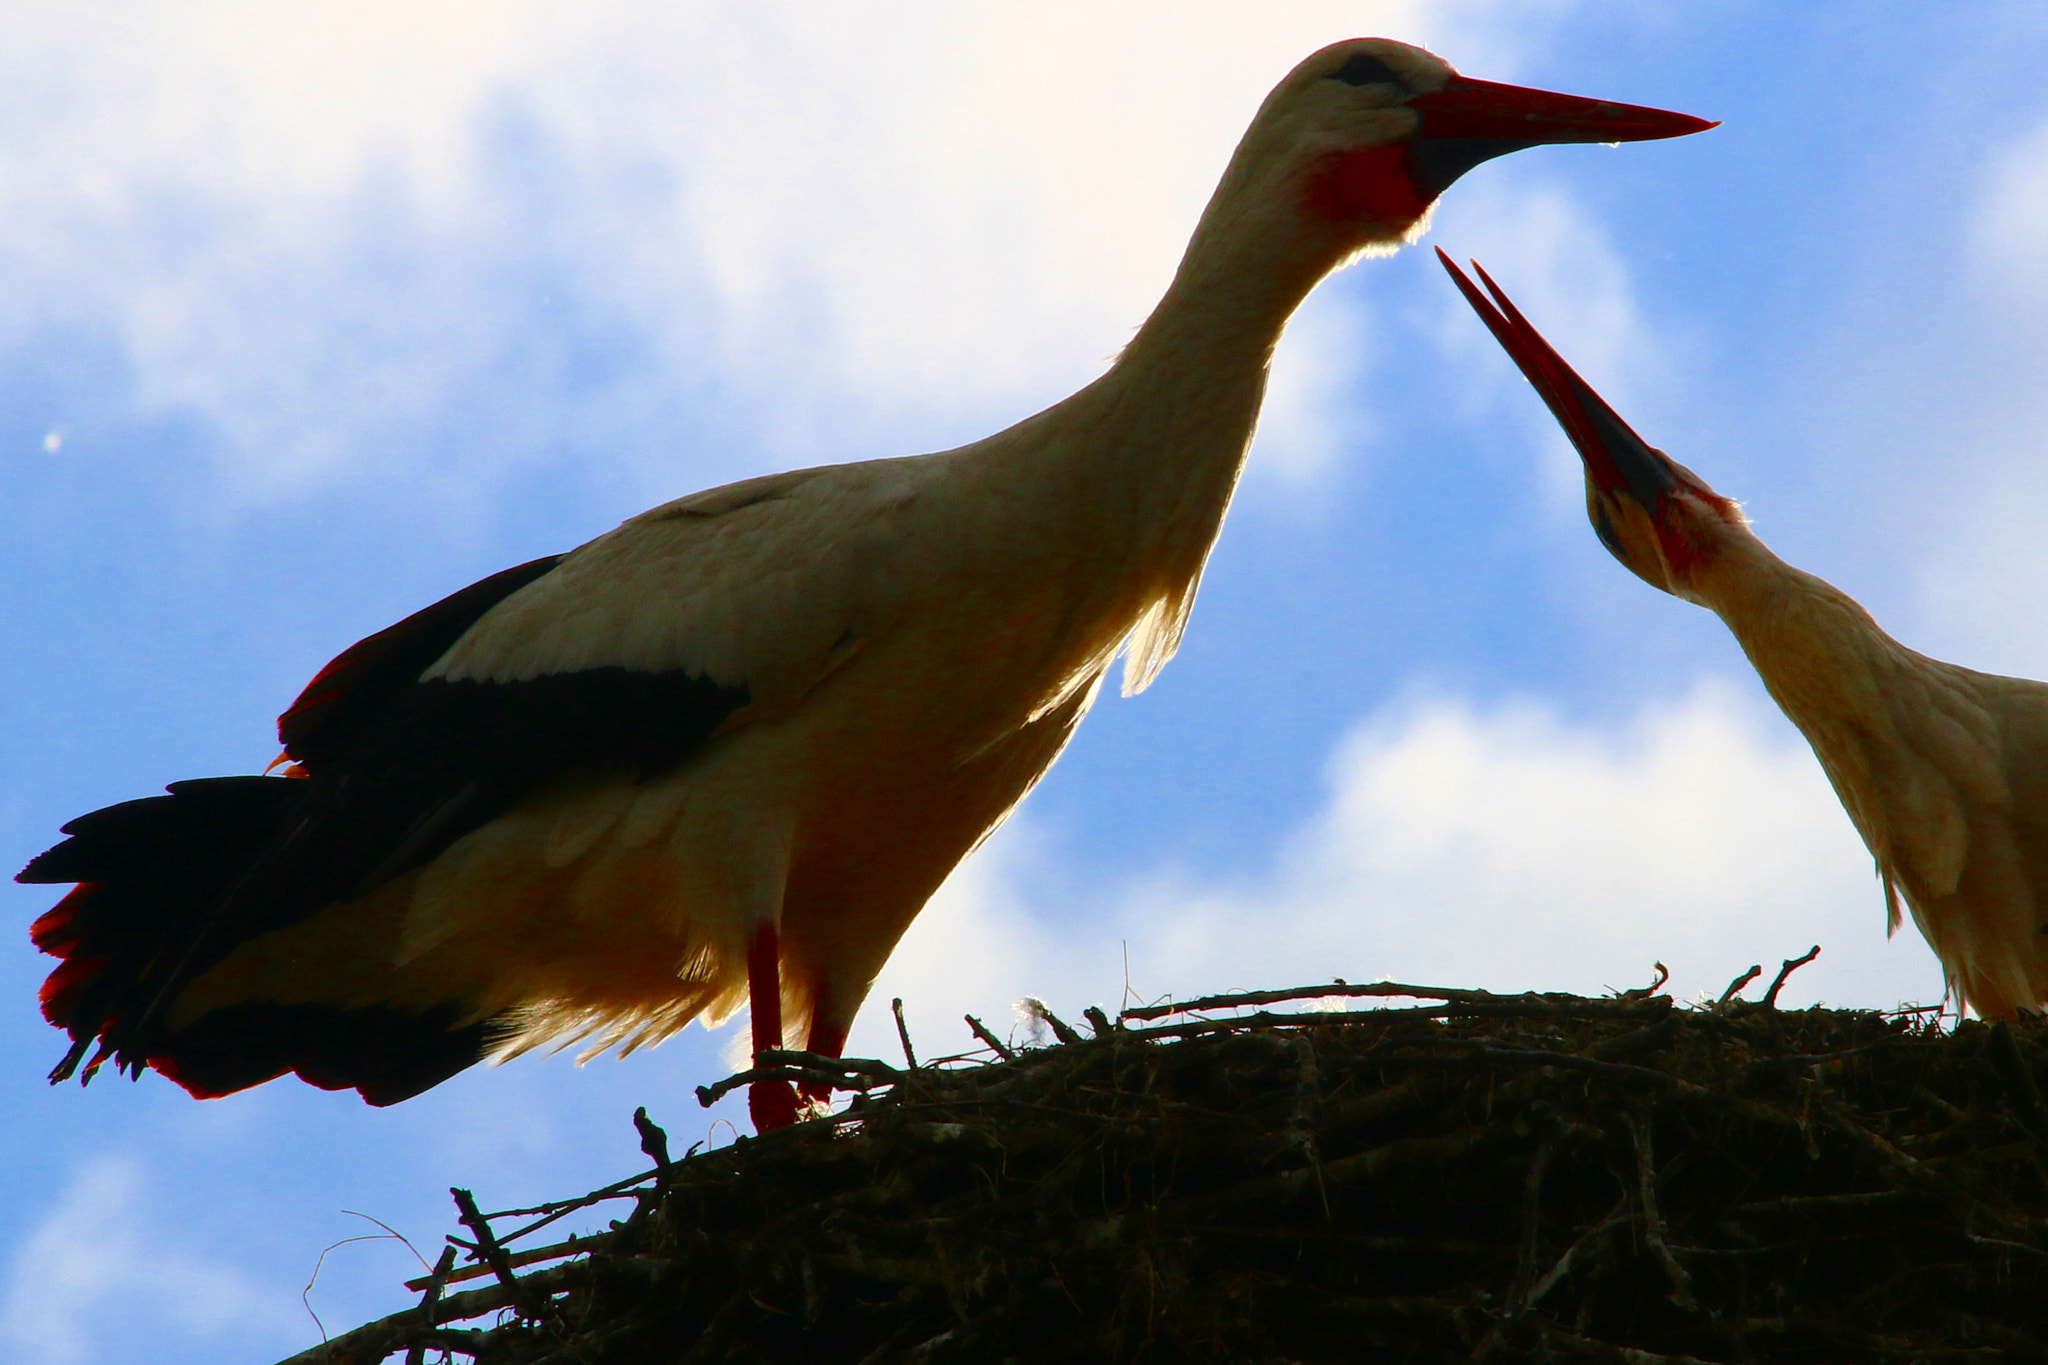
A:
(61, 987)
(55, 930)
(168, 1069)
(1370, 185)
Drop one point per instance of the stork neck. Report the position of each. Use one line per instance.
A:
(1225, 309)
(1799, 630)
(1169, 424)
(1185, 393)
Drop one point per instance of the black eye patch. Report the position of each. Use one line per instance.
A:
(1365, 70)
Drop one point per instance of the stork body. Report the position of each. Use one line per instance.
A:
(1943, 770)
(728, 750)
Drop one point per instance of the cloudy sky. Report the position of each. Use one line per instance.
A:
(311, 313)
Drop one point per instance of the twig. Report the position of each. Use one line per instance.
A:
(1791, 965)
(493, 1254)
(470, 1342)
(789, 1064)
(995, 1044)
(1591, 1350)
(622, 1190)
(1563, 1265)
(1525, 1268)
(1653, 1221)
(1808, 1203)
(863, 1068)
(1375, 989)
(903, 1032)
(375, 1340)
(306, 1294)
(1061, 1029)
(1532, 1217)
(417, 1355)
(1301, 1119)
(1739, 982)
(557, 1207)
(2019, 1081)
(1663, 974)
(574, 1246)
(653, 1140)
(1508, 1007)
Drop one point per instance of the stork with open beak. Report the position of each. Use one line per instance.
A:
(726, 752)
(1942, 769)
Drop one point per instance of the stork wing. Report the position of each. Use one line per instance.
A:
(762, 584)
(621, 658)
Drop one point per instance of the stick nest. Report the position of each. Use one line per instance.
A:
(1516, 1178)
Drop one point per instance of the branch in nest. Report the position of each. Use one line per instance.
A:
(1785, 970)
(1530, 1001)
(1738, 983)
(789, 1064)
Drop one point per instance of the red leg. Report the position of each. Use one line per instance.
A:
(827, 1040)
(771, 1104)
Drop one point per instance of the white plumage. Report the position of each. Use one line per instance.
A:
(876, 660)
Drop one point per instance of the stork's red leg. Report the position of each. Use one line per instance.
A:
(771, 1104)
(827, 1040)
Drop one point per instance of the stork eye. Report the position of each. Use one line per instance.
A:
(1365, 70)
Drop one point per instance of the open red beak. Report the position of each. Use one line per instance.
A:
(1514, 113)
(1616, 458)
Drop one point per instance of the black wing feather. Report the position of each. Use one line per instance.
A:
(392, 770)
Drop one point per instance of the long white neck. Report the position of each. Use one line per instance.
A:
(1805, 636)
(1144, 460)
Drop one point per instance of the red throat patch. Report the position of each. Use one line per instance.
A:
(1369, 185)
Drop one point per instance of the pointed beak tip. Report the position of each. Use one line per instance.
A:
(1649, 125)
(1685, 125)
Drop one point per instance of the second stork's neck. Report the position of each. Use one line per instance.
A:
(1813, 645)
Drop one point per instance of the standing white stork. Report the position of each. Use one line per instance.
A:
(1943, 770)
(729, 749)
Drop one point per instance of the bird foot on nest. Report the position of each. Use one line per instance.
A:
(777, 1104)
(771, 1105)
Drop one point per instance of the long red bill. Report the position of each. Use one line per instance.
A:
(1615, 457)
(1487, 109)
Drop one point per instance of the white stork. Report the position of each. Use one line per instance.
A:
(728, 750)
(1942, 769)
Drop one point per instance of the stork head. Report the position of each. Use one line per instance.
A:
(1362, 137)
(1651, 512)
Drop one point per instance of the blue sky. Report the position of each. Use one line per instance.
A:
(311, 314)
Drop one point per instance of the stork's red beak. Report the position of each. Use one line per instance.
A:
(1469, 108)
(1471, 121)
(1616, 458)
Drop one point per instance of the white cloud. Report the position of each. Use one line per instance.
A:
(2006, 226)
(1500, 847)
(102, 1256)
(1973, 433)
(324, 229)
(983, 942)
